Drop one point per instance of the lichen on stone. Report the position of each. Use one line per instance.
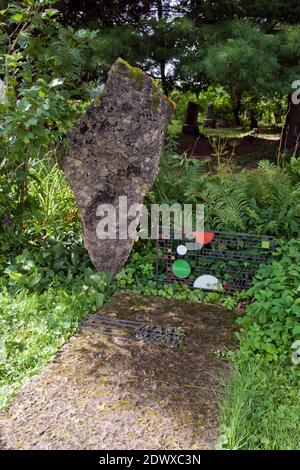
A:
(156, 93)
(138, 76)
(171, 102)
(135, 72)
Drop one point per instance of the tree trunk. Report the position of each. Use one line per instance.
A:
(236, 112)
(236, 98)
(160, 10)
(253, 120)
(162, 63)
(290, 136)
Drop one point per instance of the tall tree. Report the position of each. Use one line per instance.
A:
(103, 13)
(238, 55)
(289, 59)
(267, 14)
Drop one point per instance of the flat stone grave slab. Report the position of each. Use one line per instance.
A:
(104, 392)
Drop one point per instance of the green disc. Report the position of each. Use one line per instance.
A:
(181, 269)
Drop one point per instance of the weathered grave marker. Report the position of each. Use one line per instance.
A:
(190, 126)
(115, 151)
(209, 117)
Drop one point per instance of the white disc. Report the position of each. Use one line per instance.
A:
(207, 282)
(182, 250)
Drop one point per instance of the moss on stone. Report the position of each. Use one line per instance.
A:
(135, 72)
(171, 102)
(156, 95)
(138, 76)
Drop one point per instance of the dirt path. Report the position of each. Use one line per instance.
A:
(246, 151)
(107, 393)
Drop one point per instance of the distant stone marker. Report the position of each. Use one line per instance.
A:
(190, 126)
(209, 117)
(115, 151)
(2, 92)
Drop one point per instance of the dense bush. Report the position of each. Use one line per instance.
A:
(46, 68)
(214, 94)
(271, 326)
(260, 402)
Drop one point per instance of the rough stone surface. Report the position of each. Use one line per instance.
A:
(115, 151)
(209, 116)
(103, 392)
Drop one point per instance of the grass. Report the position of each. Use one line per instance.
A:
(175, 128)
(270, 133)
(230, 133)
(260, 408)
(33, 327)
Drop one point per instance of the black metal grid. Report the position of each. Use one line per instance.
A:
(233, 258)
(133, 330)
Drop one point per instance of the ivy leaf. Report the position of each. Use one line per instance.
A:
(99, 299)
(296, 330)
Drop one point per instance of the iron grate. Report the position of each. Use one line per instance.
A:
(134, 330)
(228, 260)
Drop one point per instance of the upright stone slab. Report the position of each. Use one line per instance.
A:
(190, 127)
(209, 117)
(115, 151)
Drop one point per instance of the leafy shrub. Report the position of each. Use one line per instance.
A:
(173, 168)
(38, 269)
(213, 94)
(265, 200)
(55, 265)
(271, 325)
(46, 67)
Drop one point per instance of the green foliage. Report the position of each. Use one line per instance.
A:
(263, 201)
(260, 201)
(221, 101)
(265, 13)
(36, 270)
(138, 276)
(240, 57)
(34, 326)
(259, 409)
(270, 110)
(45, 66)
(289, 56)
(174, 168)
(213, 94)
(272, 321)
(56, 211)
